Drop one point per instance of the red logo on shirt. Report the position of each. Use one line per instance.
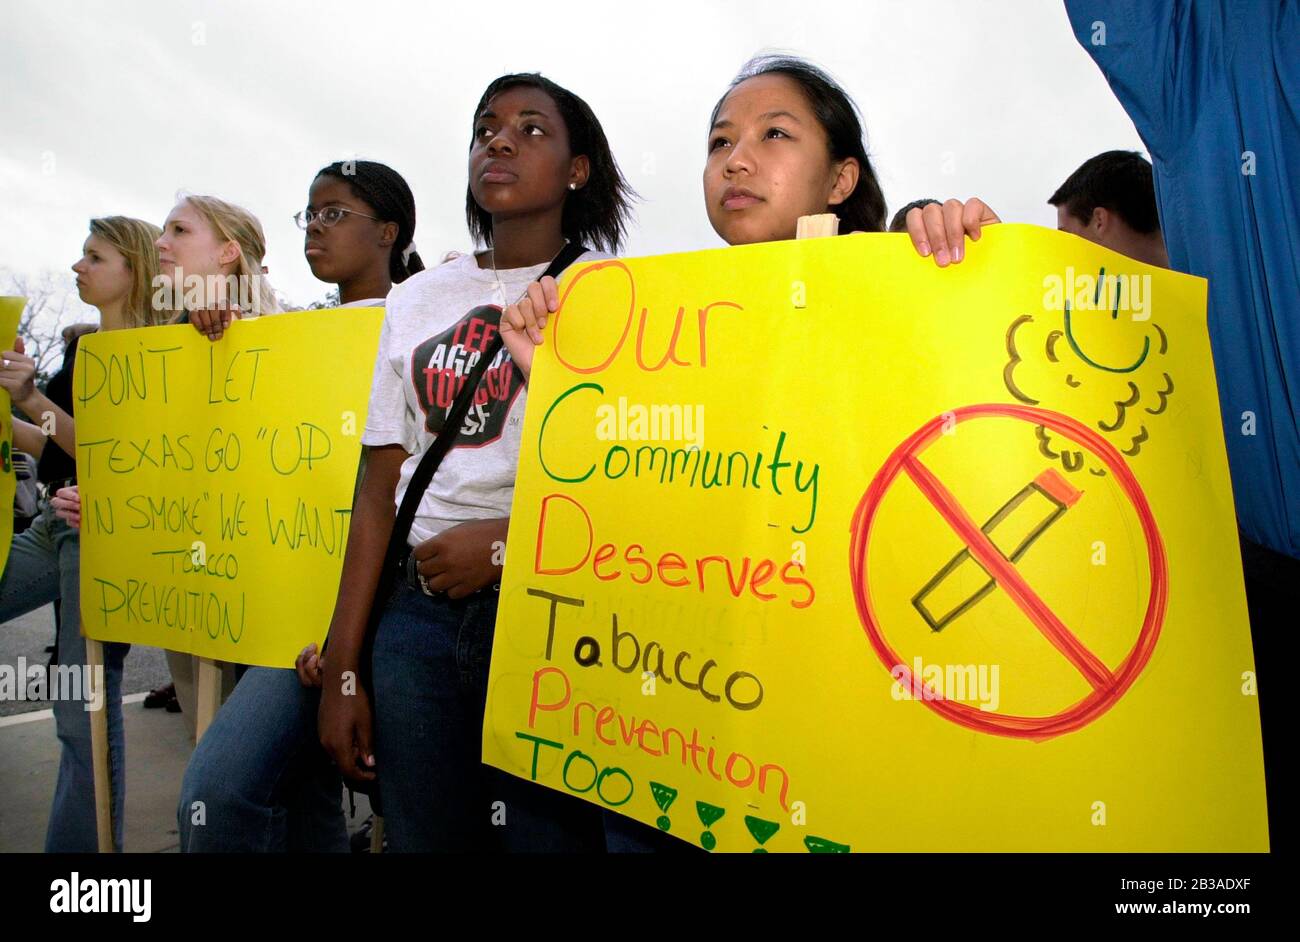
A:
(440, 364)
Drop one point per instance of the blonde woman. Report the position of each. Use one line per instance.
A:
(115, 274)
(210, 255)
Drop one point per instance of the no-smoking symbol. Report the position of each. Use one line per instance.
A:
(1108, 683)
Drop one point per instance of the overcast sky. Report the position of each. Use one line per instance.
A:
(111, 108)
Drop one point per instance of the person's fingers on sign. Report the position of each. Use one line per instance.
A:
(941, 231)
(213, 320)
(67, 505)
(309, 666)
(975, 215)
(522, 322)
(18, 373)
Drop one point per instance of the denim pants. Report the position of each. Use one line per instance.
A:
(258, 780)
(430, 670)
(45, 564)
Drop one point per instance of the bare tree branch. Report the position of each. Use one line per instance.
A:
(51, 306)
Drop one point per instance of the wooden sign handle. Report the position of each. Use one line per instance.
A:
(99, 746)
(208, 695)
(817, 227)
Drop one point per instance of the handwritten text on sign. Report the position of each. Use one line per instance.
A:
(817, 547)
(217, 480)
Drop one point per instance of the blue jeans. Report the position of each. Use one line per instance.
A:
(430, 670)
(263, 780)
(45, 564)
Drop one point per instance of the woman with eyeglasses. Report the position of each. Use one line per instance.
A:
(359, 220)
(259, 774)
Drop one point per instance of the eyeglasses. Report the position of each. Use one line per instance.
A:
(329, 216)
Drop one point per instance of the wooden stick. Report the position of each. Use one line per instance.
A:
(377, 835)
(98, 693)
(207, 695)
(817, 227)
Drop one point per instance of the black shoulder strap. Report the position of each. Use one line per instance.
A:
(455, 418)
(424, 472)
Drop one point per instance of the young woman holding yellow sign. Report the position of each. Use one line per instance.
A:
(114, 274)
(785, 141)
(540, 175)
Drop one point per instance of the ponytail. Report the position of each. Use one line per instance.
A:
(385, 191)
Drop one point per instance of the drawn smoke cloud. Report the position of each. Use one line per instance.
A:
(1050, 365)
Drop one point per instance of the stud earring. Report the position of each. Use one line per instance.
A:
(573, 186)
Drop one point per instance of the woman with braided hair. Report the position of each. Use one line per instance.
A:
(259, 781)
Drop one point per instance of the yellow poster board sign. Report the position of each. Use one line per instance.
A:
(817, 547)
(11, 311)
(217, 479)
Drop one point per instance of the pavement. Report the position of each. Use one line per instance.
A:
(157, 749)
(28, 636)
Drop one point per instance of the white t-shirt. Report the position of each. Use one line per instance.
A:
(436, 325)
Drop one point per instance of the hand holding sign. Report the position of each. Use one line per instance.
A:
(523, 321)
(213, 320)
(18, 373)
(310, 666)
(67, 505)
(941, 229)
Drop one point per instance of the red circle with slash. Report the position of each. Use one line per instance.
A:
(1108, 685)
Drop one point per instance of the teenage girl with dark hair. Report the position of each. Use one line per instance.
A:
(785, 141)
(360, 220)
(540, 175)
(259, 775)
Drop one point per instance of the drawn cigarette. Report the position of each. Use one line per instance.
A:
(1012, 530)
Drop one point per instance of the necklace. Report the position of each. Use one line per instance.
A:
(501, 288)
